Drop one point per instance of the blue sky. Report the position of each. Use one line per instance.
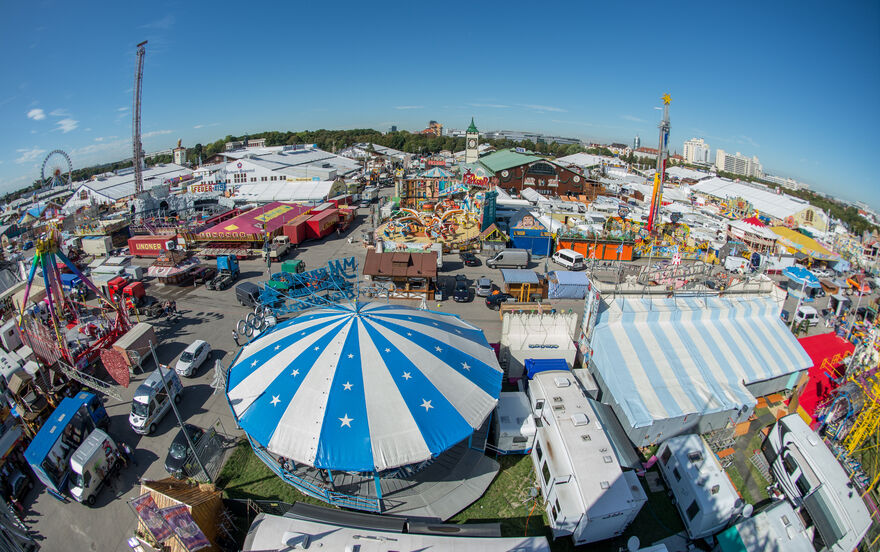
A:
(796, 84)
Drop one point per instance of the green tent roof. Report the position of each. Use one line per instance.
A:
(473, 127)
(506, 159)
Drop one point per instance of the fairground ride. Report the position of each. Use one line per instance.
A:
(70, 330)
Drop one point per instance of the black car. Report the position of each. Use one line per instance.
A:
(469, 259)
(461, 293)
(204, 274)
(494, 301)
(178, 452)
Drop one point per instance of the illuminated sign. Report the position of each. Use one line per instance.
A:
(436, 162)
(207, 187)
(274, 213)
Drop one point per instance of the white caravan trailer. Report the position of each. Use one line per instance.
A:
(588, 495)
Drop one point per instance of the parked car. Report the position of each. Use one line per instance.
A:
(192, 357)
(484, 287)
(469, 259)
(19, 484)
(494, 301)
(461, 293)
(179, 452)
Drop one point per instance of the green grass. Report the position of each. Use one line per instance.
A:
(246, 476)
(739, 483)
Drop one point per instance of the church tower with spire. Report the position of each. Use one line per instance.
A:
(472, 137)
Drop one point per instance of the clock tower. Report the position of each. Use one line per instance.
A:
(471, 154)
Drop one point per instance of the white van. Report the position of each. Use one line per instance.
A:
(151, 402)
(93, 461)
(509, 258)
(809, 314)
(570, 259)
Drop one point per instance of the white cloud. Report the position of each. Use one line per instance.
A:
(59, 113)
(633, 118)
(155, 133)
(208, 125)
(538, 107)
(494, 106)
(27, 155)
(66, 125)
(198, 126)
(409, 107)
(163, 24)
(36, 114)
(122, 109)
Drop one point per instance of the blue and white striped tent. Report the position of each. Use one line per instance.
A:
(364, 387)
(671, 365)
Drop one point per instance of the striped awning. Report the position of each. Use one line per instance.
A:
(667, 358)
(364, 387)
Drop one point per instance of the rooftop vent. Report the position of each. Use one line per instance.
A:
(586, 437)
(579, 419)
(562, 381)
(604, 484)
(695, 456)
(607, 459)
(557, 399)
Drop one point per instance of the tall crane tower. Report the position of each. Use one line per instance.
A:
(136, 120)
(662, 157)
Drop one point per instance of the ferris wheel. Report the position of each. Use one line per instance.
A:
(57, 169)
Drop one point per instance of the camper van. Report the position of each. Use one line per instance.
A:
(151, 401)
(570, 259)
(512, 425)
(706, 499)
(811, 478)
(90, 466)
(810, 314)
(509, 258)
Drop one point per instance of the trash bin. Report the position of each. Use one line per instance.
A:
(438, 294)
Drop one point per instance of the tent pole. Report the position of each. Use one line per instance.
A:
(378, 484)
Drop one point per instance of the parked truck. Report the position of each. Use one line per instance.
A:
(278, 248)
(227, 272)
(150, 246)
(93, 462)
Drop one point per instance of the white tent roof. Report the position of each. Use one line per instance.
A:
(306, 191)
(778, 206)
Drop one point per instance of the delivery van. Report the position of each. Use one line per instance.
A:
(570, 259)
(810, 314)
(509, 258)
(151, 402)
(248, 294)
(93, 462)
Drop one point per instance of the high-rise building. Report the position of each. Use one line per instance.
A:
(696, 151)
(637, 142)
(738, 164)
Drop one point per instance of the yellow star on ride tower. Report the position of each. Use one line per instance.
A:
(667, 99)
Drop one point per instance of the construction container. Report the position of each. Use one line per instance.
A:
(97, 245)
(135, 344)
(296, 231)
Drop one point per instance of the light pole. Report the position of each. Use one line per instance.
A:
(177, 414)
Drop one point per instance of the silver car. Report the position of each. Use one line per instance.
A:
(484, 287)
(192, 357)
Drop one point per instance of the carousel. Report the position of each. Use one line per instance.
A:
(371, 406)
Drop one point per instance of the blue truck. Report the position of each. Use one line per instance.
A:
(227, 272)
(66, 428)
(71, 282)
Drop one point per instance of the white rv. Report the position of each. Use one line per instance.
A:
(588, 495)
(813, 479)
(706, 499)
(512, 424)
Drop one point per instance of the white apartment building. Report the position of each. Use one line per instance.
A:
(696, 151)
(738, 164)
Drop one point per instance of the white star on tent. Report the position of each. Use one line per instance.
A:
(408, 334)
(275, 400)
(438, 349)
(254, 363)
(458, 331)
(426, 405)
(436, 324)
(304, 333)
(347, 386)
(350, 355)
(317, 348)
(465, 365)
(346, 421)
(387, 350)
(277, 347)
(295, 373)
(406, 376)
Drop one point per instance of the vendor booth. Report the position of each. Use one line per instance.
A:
(527, 336)
(566, 284)
(524, 285)
(401, 275)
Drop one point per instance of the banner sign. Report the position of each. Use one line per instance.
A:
(152, 518)
(184, 526)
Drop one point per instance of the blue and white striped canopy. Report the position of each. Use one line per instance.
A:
(364, 387)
